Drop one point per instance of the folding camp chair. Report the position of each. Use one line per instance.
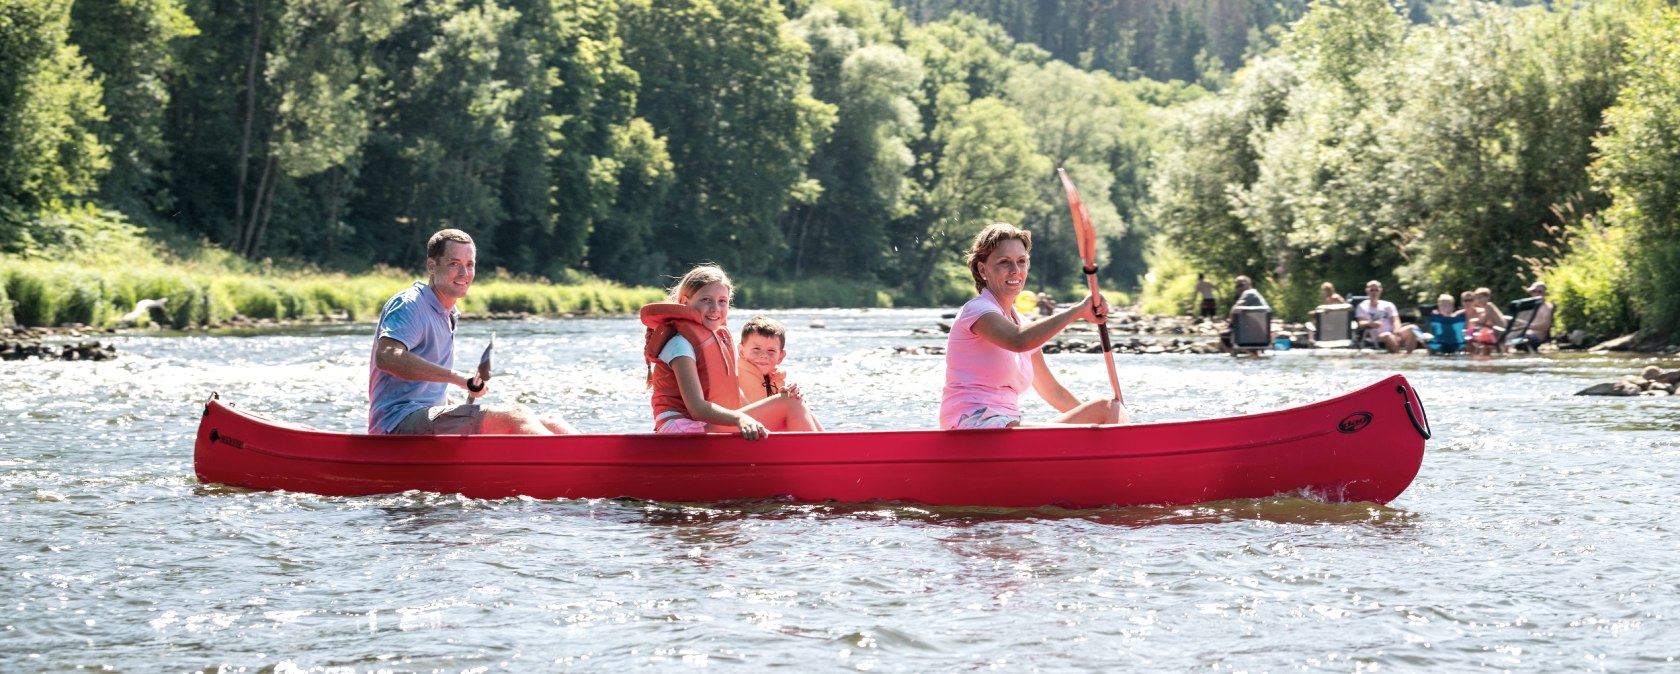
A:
(1449, 334)
(1522, 316)
(1358, 335)
(1252, 330)
(1333, 326)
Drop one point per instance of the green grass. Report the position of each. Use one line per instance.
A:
(809, 293)
(42, 293)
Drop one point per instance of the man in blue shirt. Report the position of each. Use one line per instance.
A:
(414, 357)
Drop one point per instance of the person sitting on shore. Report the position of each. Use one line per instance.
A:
(1466, 300)
(1204, 290)
(1485, 325)
(1381, 321)
(1540, 328)
(692, 366)
(1046, 304)
(413, 360)
(1445, 307)
(993, 355)
(1327, 296)
(1247, 296)
(759, 372)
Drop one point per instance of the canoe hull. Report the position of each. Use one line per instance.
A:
(1363, 446)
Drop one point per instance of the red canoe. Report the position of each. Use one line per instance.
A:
(1364, 446)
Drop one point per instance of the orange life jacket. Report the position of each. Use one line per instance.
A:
(714, 356)
(752, 381)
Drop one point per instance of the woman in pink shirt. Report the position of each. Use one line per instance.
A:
(992, 355)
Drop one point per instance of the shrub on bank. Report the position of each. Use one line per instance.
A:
(39, 293)
(1590, 285)
(806, 293)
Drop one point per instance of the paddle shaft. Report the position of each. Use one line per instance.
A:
(1102, 332)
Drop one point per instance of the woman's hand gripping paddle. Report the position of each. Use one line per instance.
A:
(476, 384)
(1088, 252)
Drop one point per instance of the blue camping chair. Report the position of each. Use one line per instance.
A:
(1449, 334)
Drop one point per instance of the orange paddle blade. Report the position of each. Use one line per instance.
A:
(1081, 223)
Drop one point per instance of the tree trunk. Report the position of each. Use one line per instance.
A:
(248, 241)
(266, 203)
(251, 61)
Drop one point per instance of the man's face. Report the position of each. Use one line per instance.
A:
(1373, 291)
(451, 273)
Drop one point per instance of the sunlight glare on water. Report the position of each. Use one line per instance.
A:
(1535, 537)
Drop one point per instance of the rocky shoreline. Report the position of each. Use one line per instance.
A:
(1166, 334)
(23, 342)
(1652, 381)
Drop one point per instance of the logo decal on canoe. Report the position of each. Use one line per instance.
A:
(1355, 422)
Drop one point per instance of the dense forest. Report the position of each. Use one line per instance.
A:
(1437, 146)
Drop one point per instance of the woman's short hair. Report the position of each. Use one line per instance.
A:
(987, 241)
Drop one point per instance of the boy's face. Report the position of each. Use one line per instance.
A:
(765, 353)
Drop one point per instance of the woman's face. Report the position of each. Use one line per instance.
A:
(1005, 270)
(712, 301)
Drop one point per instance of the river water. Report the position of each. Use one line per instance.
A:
(1535, 538)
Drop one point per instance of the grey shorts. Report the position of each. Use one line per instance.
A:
(442, 420)
(987, 417)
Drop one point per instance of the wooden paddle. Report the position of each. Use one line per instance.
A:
(1088, 252)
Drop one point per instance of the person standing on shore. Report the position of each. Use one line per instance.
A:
(1204, 290)
(413, 359)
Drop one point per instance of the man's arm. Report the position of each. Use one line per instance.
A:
(394, 357)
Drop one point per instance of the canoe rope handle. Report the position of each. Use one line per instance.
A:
(213, 396)
(1410, 395)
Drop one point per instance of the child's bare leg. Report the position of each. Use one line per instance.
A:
(783, 413)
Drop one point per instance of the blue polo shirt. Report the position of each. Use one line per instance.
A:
(416, 318)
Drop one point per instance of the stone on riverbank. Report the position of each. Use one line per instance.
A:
(1651, 381)
(1610, 388)
(80, 351)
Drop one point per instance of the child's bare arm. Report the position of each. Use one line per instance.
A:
(701, 409)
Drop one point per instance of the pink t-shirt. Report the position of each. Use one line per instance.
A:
(978, 373)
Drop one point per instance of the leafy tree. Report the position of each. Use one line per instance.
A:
(641, 174)
(989, 169)
(1077, 122)
(316, 82)
(1638, 165)
(49, 110)
(863, 167)
(130, 46)
(1209, 157)
(1514, 98)
(726, 86)
(444, 130)
(575, 150)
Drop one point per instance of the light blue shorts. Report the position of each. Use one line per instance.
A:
(987, 417)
